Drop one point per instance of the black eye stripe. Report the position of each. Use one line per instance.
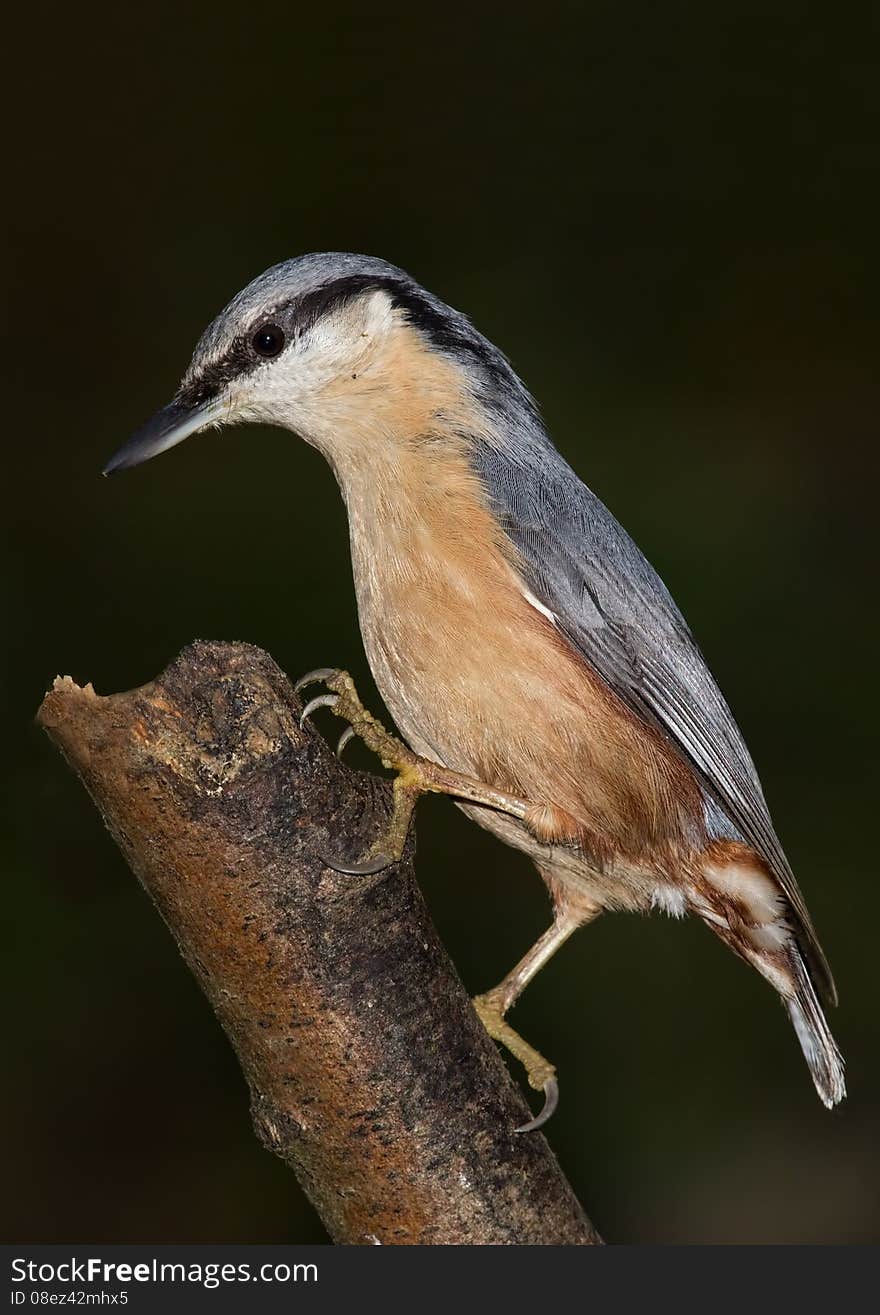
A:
(447, 331)
(268, 340)
(239, 360)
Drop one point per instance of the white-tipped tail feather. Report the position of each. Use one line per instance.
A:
(824, 1060)
(747, 909)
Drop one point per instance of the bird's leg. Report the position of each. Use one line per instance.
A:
(415, 775)
(493, 1005)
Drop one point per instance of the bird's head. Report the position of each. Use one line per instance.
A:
(348, 352)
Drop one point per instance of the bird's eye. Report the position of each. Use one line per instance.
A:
(268, 340)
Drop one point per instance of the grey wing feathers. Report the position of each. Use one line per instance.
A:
(615, 609)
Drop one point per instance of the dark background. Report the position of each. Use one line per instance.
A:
(668, 217)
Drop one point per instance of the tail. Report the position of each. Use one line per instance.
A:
(746, 908)
(824, 1060)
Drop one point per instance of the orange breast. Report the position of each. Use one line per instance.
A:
(476, 677)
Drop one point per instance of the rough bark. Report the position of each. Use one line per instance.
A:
(369, 1072)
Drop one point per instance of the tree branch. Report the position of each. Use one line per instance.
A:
(369, 1072)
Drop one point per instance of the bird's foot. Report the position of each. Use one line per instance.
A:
(345, 702)
(491, 1009)
(415, 775)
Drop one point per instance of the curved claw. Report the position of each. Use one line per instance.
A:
(315, 677)
(347, 734)
(364, 869)
(321, 701)
(551, 1100)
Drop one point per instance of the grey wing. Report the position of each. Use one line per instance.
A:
(614, 608)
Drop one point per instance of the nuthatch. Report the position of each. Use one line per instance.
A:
(534, 662)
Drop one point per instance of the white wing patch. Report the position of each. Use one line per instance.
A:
(539, 606)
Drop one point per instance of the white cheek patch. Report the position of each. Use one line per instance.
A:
(341, 341)
(291, 389)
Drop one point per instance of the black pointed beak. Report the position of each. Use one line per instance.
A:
(166, 429)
